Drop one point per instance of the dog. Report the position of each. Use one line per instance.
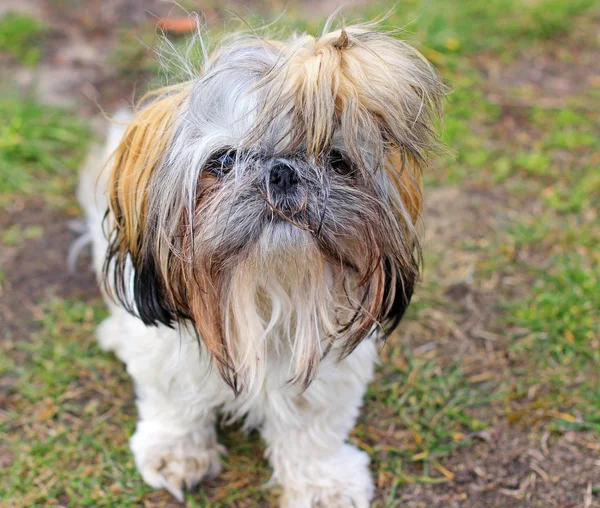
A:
(255, 235)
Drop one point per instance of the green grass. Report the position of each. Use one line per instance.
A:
(16, 234)
(466, 131)
(561, 310)
(21, 37)
(58, 398)
(567, 295)
(429, 402)
(556, 239)
(41, 148)
(457, 27)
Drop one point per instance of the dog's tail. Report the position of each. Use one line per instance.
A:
(91, 194)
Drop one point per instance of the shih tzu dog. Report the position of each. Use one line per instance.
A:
(254, 231)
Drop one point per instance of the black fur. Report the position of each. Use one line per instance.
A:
(147, 301)
(402, 288)
(148, 293)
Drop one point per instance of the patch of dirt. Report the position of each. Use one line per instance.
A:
(28, 7)
(516, 468)
(548, 73)
(76, 68)
(37, 268)
(460, 223)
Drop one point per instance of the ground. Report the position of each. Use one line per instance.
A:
(488, 395)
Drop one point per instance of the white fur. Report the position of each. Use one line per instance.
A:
(179, 392)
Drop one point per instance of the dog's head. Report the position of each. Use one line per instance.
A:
(277, 193)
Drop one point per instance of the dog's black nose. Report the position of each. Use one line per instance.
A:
(283, 178)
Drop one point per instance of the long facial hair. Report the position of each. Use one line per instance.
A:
(199, 236)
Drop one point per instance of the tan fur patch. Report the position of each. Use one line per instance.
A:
(142, 148)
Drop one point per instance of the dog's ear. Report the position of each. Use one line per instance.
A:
(398, 292)
(405, 175)
(132, 273)
(394, 279)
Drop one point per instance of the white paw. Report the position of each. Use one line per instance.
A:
(314, 497)
(343, 481)
(172, 461)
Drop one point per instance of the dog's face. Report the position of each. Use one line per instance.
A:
(277, 193)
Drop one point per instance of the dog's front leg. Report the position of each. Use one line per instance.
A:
(306, 436)
(175, 444)
(174, 447)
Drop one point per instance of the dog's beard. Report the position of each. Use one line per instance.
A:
(282, 290)
(254, 267)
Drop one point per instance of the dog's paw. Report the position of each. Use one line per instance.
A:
(176, 471)
(175, 462)
(315, 497)
(343, 481)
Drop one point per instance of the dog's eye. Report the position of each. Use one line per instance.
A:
(226, 159)
(221, 162)
(339, 164)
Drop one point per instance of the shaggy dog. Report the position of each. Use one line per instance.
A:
(254, 234)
